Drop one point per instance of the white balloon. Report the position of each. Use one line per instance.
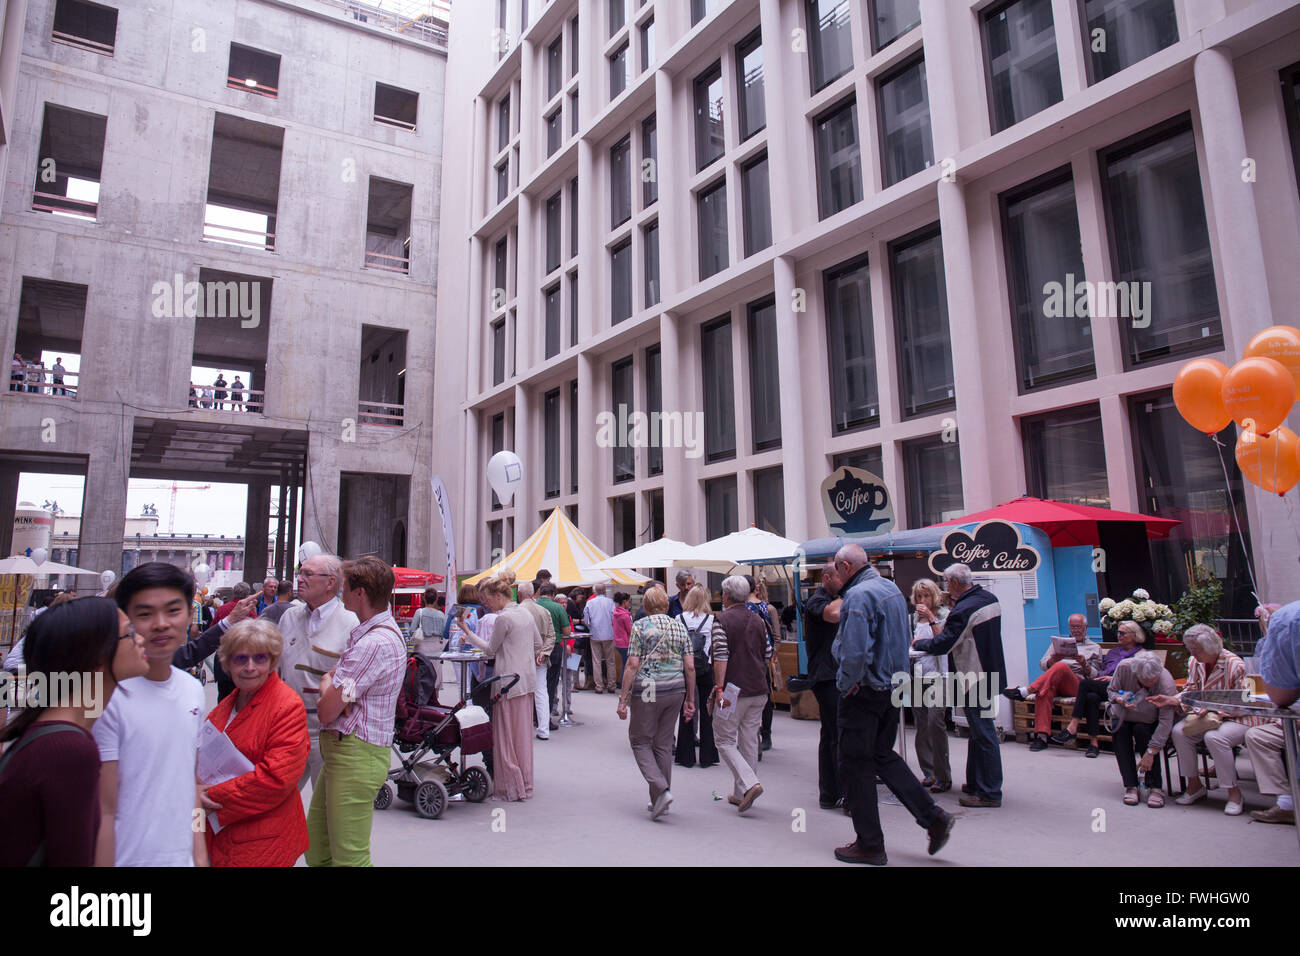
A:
(39, 555)
(202, 574)
(505, 473)
(106, 579)
(309, 549)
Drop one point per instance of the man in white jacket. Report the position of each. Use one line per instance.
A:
(315, 635)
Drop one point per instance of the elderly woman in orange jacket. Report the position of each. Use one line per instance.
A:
(259, 813)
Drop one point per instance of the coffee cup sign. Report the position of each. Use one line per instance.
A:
(856, 502)
(993, 548)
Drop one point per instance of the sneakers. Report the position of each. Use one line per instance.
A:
(1232, 808)
(1061, 737)
(661, 805)
(939, 832)
(541, 736)
(1273, 814)
(975, 800)
(1013, 693)
(1093, 751)
(1039, 743)
(752, 794)
(852, 853)
(765, 742)
(1188, 798)
(830, 804)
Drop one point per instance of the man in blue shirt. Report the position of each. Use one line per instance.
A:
(870, 648)
(1278, 657)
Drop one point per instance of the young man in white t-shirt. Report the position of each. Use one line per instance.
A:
(148, 735)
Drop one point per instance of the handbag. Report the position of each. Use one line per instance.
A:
(1198, 725)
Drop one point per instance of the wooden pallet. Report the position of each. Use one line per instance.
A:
(1023, 722)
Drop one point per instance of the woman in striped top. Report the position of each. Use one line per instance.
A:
(1211, 667)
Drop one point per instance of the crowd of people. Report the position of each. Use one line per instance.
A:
(309, 680)
(35, 377)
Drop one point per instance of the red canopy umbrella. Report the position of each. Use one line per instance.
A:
(413, 578)
(1066, 525)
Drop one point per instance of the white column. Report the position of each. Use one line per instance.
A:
(590, 271)
(794, 443)
(469, 534)
(592, 506)
(528, 450)
(475, 327)
(528, 344)
(672, 138)
(676, 488)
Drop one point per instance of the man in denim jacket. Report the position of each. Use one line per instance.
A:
(870, 648)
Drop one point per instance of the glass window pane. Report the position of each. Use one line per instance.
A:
(620, 182)
(617, 15)
(554, 67)
(503, 181)
(830, 45)
(654, 402)
(710, 142)
(701, 9)
(554, 132)
(573, 47)
(764, 376)
(573, 217)
(503, 123)
(868, 459)
(498, 352)
(1065, 457)
(1291, 103)
(1020, 47)
(749, 63)
(1044, 263)
(650, 151)
(621, 282)
(648, 44)
(756, 206)
(1165, 294)
(905, 123)
(554, 221)
(573, 439)
(573, 308)
(851, 347)
(839, 171)
(719, 391)
(1180, 477)
(499, 276)
(624, 522)
(712, 207)
(890, 19)
(933, 470)
(921, 318)
(623, 405)
(651, 247)
(769, 500)
(551, 442)
(1131, 30)
(552, 321)
(721, 507)
(573, 113)
(618, 71)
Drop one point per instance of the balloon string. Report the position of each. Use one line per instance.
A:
(1232, 506)
(1290, 511)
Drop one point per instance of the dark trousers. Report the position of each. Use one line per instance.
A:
(765, 727)
(1130, 740)
(983, 757)
(553, 671)
(868, 724)
(686, 734)
(1087, 704)
(829, 788)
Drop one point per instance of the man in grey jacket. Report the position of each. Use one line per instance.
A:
(870, 648)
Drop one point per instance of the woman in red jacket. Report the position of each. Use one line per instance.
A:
(259, 814)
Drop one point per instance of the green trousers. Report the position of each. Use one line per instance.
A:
(343, 801)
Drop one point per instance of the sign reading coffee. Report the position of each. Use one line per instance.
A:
(856, 502)
(994, 548)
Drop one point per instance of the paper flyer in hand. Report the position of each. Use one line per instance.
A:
(219, 760)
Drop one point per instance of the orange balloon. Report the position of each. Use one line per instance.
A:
(1198, 394)
(1281, 343)
(1270, 461)
(1258, 393)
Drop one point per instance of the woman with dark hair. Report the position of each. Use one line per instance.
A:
(49, 772)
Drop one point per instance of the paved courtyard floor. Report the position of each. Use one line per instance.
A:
(1059, 809)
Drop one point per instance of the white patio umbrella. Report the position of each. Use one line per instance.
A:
(21, 564)
(664, 553)
(737, 553)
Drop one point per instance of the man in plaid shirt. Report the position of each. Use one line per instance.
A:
(357, 708)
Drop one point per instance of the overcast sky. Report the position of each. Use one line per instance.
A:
(218, 510)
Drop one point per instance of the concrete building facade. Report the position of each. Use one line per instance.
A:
(864, 232)
(250, 187)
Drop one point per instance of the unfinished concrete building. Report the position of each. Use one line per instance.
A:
(221, 219)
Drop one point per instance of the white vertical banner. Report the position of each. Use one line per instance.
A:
(448, 534)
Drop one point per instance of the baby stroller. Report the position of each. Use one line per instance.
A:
(424, 726)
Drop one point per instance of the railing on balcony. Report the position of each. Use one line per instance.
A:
(39, 380)
(208, 397)
(380, 260)
(66, 205)
(250, 85)
(380, 413)
(427, 28)
(84, 43)
(393, 121)
(212, 232)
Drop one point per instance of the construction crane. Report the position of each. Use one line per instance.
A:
(174, 487)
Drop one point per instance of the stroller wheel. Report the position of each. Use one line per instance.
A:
(430, 799)
(384, 798)
(476, 784)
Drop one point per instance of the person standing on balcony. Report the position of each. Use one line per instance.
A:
(219, 392)
(58, 371)
(237, 395)
(17, 374)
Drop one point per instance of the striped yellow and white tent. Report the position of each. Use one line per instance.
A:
(559, 547)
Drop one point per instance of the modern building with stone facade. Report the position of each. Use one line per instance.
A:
(860, 232)
(247, 188)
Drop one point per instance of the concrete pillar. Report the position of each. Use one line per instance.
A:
(784, 121)
(474, 478)
(671, 139)
(591, 272)
(103, 515)
(320, 499)
(11, 48)
(676, 488)
(592, 510)
(476, 329)
(529, 451)
(527, 337)
(8, 506)
(939, 80)
(794, 444)
(257, 531)
(481, 151)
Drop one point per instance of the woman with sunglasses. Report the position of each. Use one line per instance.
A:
(256, 818)
(49, 771)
